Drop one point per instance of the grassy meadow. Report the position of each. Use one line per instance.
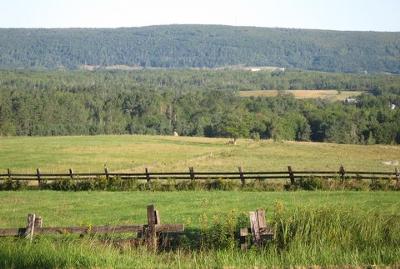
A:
(166, 153)
(323, 228)
(330, 95)
(312, 228)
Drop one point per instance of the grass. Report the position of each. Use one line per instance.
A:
(340, 228)
(166, 153)
(331, 95)
(84, 208)
(312, 228)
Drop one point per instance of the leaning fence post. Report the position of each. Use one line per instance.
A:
(38, 176)
(241, 176)
(191, 172)
(147, 175)
(291, 175)
(30, 227)
(71, 173)
(342, 173)
(151, 236)
(106, 173)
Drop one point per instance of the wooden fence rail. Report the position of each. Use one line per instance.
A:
(149, 232)
(191, 174)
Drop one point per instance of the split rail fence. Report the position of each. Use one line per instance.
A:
(148, 234)
(240, 174)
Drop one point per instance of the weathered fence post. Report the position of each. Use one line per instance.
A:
(106, 173)
(38, 222)
(291, 175)
(38, 176)
(147, 175)
(397, 172)
(342, 173)
(241, 176)
(9, 173)
(30, 226)
(260, 231)
(191, 172)
(151, 235)
(71, 173)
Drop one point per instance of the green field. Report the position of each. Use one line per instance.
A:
(165, 153)
(316, 228)
(331, 95)
(312, 228)
(95, 208)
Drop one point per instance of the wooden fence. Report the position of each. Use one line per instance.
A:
(148, 234)
(191, 174)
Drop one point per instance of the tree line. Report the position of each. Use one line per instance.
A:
(182, 46)
(197, 103)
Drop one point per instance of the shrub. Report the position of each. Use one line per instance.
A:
(310, 184)
(13, 185)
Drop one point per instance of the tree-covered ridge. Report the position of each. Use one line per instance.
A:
(197, 103)
(200, 46)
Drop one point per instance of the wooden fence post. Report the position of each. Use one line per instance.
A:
(191, 172)
(241, 176)
(396, 170)
(71, 173)
(342, 173)
(30, 227)
(151, 236)
(106, 173)
(147, 175)
(38, 222)
(9, 173)
(38, 176)
(291, 175)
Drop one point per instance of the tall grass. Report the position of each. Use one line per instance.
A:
(325, 236)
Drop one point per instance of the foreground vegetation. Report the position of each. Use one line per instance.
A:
(126, 153)
(199, 103)
(317, 228)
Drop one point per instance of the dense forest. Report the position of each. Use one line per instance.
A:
(182, 46)
(198, 103)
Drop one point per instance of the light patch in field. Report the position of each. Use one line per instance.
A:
(332, 95)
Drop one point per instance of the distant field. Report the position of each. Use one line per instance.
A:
(332, 95)
(166, 153)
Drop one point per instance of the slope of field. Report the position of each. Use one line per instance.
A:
(200, 46)
(331, 95)
(166, 153)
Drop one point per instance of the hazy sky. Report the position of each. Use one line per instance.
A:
(377, 15)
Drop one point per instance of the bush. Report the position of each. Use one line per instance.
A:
(13, 185)
(118, 184)
(310, 184)
(379, 185)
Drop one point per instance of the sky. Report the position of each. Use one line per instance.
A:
(357, 15)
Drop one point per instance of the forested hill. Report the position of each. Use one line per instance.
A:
(200, 46)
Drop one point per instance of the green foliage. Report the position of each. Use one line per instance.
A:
(117, 184)
(13, 185)
(196, 103)
(200, 46)
(310, 184)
